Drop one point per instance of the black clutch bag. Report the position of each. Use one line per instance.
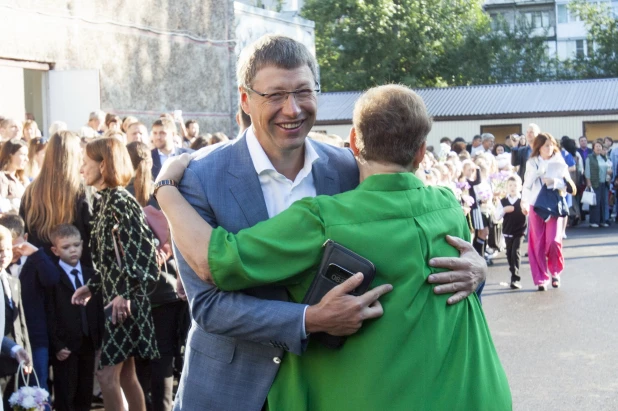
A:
(338, 264)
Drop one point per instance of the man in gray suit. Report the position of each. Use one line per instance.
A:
(237, 340)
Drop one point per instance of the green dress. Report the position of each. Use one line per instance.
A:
(422, 354)
(135, 336)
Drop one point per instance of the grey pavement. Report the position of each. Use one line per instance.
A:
(559, 348)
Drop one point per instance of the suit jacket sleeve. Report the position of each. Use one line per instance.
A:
(7, 346)
(235, 314)
(46, 270)
(55, 343)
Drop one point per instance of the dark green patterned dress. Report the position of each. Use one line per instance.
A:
(135, 336)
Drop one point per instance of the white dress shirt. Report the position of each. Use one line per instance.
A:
(279, 191)
(67, 269)
(15, 268)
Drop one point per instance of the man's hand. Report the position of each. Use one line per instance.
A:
(63, 354)
(22, 356)
(467, 271)
(339, 313)
(25, 249)
(174, 168)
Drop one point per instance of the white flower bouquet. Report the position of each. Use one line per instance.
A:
(28, 398)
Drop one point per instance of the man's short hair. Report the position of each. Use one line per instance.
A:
(476, 137)
(446, 140)
(14, 223)
(273, 50)
(535, 128)
(167, 124)
(487, 136)
(611, 140)
(63, 231)
(583, 137)
(189, 122)
(391, 124)
(97, 115)
(6, 122)
(137, 123)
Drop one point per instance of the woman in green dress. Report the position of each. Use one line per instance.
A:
(422, 354)
(123, 252)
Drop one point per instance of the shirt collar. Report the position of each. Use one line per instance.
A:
(67, 268)
(167, 155)
(262, 163)
(513, 199)
(391, 182)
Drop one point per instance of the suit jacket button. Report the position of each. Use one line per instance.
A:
(277, 360)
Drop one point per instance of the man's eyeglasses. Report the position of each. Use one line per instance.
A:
(279, 97)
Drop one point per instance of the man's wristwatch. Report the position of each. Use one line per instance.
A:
(163, 183)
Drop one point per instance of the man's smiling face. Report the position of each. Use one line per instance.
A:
(283, 126)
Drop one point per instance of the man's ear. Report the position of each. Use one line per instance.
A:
(353, 141)
(244, 100)
(420, 155)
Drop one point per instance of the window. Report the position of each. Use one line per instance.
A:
(579, 48)
(537, 19)
(563, 14)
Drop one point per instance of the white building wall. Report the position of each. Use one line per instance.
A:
(12, 102)
(557, 126)
(253, 22)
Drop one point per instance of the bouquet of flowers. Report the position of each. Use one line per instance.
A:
(498, 181)
(29, 399)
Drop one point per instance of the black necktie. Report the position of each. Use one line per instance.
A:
(82, 309)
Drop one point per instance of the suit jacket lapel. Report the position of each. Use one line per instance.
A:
(64, 278)
(245, 184)
(326, 179)
(156, 163)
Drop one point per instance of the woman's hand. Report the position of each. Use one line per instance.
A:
(121, 309)
(174, 168)
(81, 295)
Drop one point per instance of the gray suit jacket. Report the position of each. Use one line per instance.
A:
(237, 340)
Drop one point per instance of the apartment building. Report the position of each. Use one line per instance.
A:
(565, 33)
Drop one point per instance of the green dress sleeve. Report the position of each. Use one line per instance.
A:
(279, 250)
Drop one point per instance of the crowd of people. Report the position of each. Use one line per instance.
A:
(499, 185)
(93, 291)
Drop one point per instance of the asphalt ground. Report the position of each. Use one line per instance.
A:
(559, 348)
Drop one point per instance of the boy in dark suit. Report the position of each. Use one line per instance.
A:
(74, 331)
(36, 271)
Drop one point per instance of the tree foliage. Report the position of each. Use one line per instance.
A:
(420, 43)
(602, 58)
(361, 43)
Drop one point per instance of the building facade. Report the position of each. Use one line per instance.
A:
(61, 59)
(565, 33)
(572, 108)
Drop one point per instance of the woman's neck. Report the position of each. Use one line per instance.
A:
(369, 168)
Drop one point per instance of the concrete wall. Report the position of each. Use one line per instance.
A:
(253, 22)
(557, 126)
(153, 56)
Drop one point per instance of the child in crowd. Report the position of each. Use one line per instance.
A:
(15, 319)
(514, 226)
(36, 271)
(74, 331)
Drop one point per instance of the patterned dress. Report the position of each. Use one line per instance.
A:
(135, 336)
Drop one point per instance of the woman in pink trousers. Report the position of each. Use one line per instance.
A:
(545, 167)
